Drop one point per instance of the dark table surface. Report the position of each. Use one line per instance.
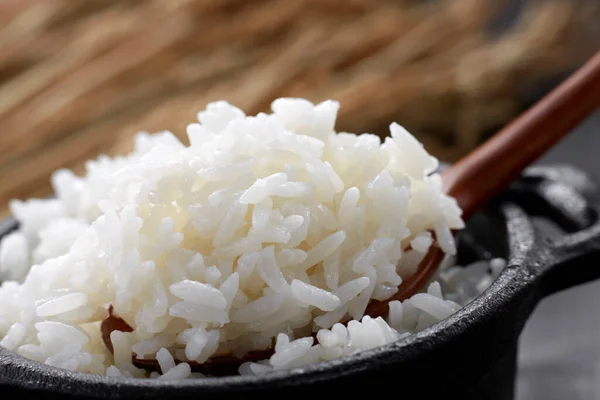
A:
(560, 346)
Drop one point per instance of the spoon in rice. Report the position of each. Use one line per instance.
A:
(472, 181)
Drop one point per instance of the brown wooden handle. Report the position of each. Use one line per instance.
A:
(491, 167)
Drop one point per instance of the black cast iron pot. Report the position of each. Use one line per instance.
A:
(546, 225)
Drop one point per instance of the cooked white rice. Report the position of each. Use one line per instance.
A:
(263, 229)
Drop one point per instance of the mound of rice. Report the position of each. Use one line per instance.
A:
(263, 230)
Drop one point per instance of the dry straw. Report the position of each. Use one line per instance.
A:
(80, 78)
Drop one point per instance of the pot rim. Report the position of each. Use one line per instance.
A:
(511, 280)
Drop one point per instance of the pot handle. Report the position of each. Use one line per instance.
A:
(553, 222)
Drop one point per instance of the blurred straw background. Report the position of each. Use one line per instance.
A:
(79, 78)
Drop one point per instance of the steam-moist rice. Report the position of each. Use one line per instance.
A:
(263, 230)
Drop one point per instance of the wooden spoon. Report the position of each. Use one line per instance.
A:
(472, 181)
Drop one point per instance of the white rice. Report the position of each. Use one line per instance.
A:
(262, 230)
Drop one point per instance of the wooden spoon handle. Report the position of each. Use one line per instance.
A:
(490, 168)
